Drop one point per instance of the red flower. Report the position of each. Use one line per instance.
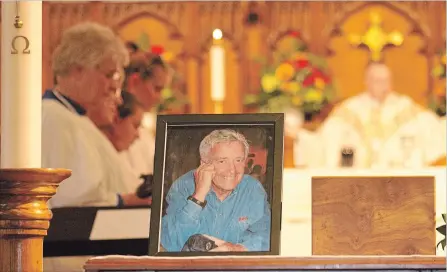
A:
(295, 34)
(309, 80)
(157, 49)
(320, 74)
(134, 76)
(299, 64)
(316, 73)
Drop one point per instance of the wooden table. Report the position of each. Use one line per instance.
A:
(268, 263)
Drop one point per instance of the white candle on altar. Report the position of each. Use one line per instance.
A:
(217, 63)
(21, 88)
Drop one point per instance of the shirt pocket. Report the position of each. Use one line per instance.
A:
(243, 225)
(239, 227)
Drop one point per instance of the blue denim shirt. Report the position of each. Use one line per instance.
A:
(242, 218)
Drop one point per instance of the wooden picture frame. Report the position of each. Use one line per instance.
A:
(177, 157)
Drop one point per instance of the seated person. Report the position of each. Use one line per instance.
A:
(86, 72)
(217, 200)
(145, 78)
(121, 134)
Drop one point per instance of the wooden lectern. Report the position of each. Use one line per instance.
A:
(24, 216)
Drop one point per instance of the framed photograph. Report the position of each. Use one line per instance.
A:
(217, 185)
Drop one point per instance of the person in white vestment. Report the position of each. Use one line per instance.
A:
(120, 134)
(379, 127)
(86, 66)
(146, 77)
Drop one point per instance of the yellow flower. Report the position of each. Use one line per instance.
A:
(314, 96)
(290, 87)
(269, 83)
(438, 70)
(166, 93)
(299, 56)
(284, 72)
(167, 57)
(440, 90)
(443, 59)
(296, 100)
(319, 83)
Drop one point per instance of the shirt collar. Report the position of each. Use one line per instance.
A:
(49, 94)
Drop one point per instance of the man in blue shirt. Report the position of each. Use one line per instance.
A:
(217, 199)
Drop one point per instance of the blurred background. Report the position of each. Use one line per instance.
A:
(335, 40)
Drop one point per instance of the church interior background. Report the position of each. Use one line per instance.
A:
(334, 39)
(255, 33)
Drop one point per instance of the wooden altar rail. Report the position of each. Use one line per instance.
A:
(268, 263)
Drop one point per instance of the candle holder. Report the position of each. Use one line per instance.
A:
(25, 216)
(347, 157)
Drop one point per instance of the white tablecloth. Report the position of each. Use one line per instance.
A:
(296, 234)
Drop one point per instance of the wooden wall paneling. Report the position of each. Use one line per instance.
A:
(319, 17)
(255, 49)
(191, 57)
(116, 14)
(253, 58)
(97, 11)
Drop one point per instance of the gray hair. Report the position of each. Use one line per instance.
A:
(219, 136)
(86, 45)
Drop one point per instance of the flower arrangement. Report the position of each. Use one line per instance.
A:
(299, 79)
(438, 99)
(172, 96)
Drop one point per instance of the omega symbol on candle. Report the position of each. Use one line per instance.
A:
(25, 50)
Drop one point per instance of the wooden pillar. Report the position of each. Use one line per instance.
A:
(96, 11)
(193, 83)
(24, 216)
(192, 52)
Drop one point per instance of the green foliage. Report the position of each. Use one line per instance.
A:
(442, 229)
(144, 42)
(438, 98)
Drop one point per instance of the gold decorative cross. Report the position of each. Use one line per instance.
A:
(375, 39)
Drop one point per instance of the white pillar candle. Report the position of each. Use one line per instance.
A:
(21, 79)
(217, 63)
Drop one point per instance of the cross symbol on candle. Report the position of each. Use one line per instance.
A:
(376, 39)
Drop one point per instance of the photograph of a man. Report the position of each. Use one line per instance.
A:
(217, 207)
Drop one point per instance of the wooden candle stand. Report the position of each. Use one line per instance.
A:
(25, 216)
